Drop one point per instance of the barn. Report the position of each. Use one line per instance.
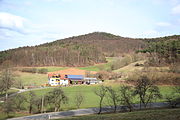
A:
(75, 79)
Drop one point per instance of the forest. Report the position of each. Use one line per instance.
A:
(83, 50)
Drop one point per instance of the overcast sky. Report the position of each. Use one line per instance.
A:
(32, 22)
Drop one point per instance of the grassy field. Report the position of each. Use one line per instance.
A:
(53, 68)
(98, 67)
(159, 114)
(130, 68)
(4, 116)
(91, 100)
(49, 68)
(29, 79)
(10, 91)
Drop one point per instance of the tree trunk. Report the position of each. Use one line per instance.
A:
(30, 109)
(6, 97)
(100, 107)
(115, 108)
(42, 105)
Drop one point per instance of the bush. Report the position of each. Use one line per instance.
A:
(175, 68)
(160, 78)
(30, 70)
(138, 64)
(35, 70)
(42, 71)
(103, 75)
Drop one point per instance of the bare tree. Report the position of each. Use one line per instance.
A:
(126, 93)
(114, 97)
(101, 92)
(6, 77)
(79, 98)
(19, 84)
(56, 98)
(146, 90)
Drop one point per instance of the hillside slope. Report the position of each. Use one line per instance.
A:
(81, 50)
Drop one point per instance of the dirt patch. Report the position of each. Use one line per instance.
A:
(71, 71)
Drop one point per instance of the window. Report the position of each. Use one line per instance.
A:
(66, 76)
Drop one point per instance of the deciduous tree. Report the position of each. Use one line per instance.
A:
(6, 77)
(79, 98)
(100, 92)
(56, 98)
(113, 96)
(126, 93)
(146, 90)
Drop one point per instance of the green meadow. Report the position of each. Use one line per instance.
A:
(90, 99)
(158, 114)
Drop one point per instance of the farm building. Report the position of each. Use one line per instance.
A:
(70, 76)
(92, 81)
(57, 80)
(75, 79)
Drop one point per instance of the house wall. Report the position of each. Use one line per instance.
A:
(54, 81)
(64, 82)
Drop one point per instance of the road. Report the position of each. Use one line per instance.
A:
(78, 112)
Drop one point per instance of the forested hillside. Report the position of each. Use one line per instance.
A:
(165, 50)
(81, 50)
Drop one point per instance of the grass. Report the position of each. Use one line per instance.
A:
(91, 100)
(53, 68)
(10, 91)
(49, 68)
(99, 67)
(4, 116)
(90, 68)
(29, 79)
(130, 68)
(158, 114)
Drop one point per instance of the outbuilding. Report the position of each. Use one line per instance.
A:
(92, 81)
(75, 79)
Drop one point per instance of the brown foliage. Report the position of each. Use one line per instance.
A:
(75, 51)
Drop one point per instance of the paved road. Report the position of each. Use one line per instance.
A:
(78, 112)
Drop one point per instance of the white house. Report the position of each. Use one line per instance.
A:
(57, 82)
(54, 81)
(64, 82)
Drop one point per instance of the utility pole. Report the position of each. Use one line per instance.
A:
(42, 105)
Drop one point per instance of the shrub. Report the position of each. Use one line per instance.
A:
(30, 70)
(175, 68)
(165, 78)
(42, 71)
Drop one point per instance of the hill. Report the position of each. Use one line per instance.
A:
(80, 50)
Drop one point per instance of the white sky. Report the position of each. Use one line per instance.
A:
(32, 22)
